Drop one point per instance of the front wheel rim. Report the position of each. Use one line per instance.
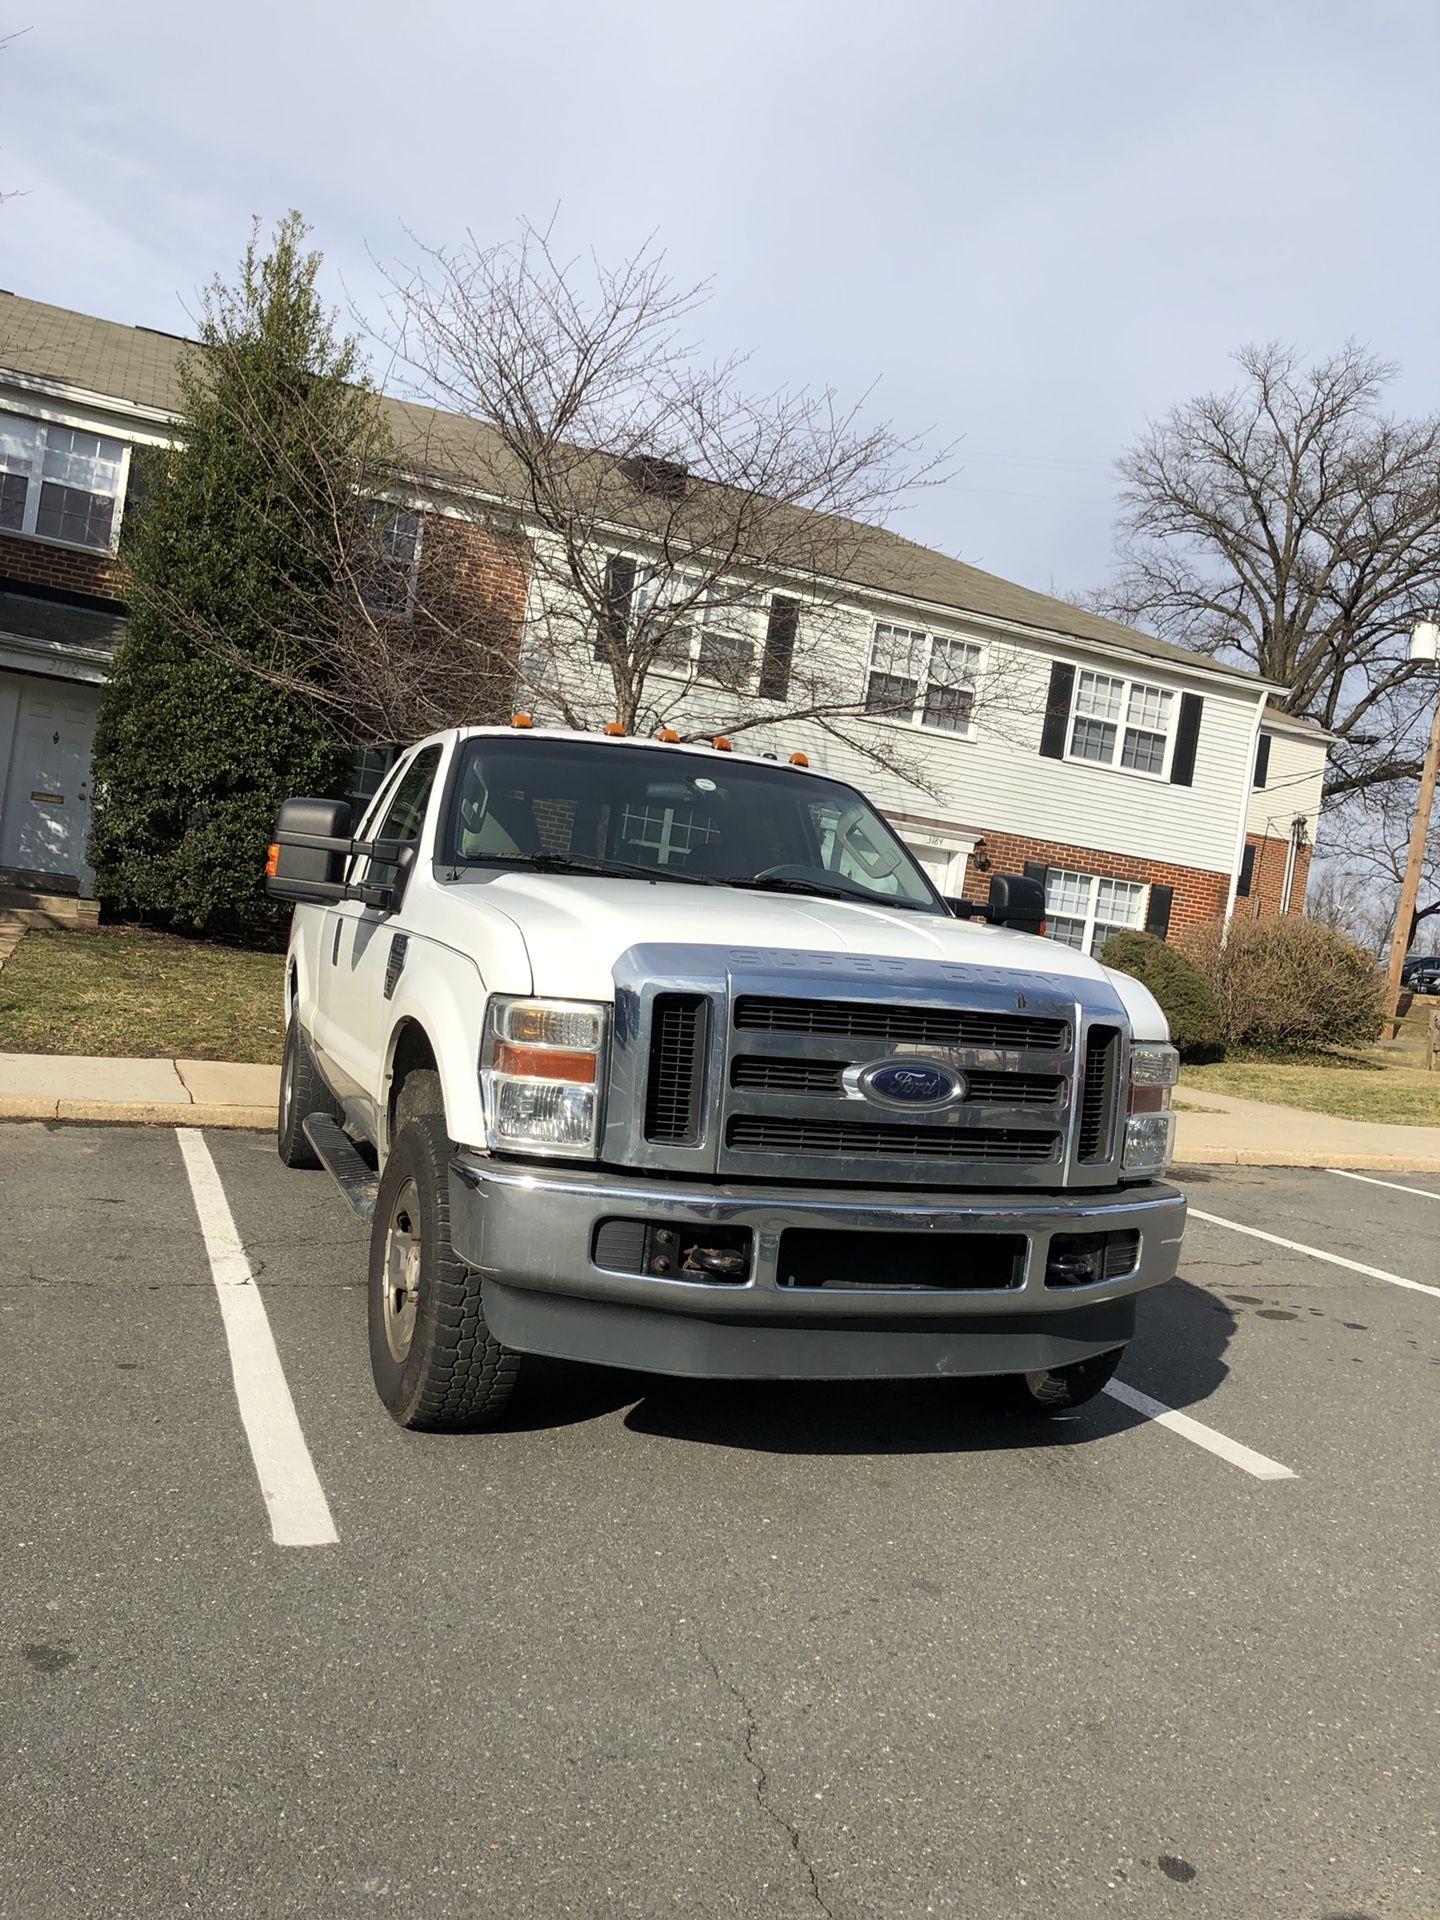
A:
(400, 1278)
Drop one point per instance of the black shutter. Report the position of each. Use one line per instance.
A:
(1262, 761)
(779, 647)
(615, 619)
(1157, 918)
(1182, 765)
(1037, 870)
(1247, 873)
(1057, 710)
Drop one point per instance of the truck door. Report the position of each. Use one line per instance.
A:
(360, 947)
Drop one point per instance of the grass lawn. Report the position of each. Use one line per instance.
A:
(124, 991)
(1356, 1090)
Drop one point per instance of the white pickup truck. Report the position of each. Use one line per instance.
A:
(670, 1057)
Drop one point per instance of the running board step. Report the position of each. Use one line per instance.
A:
(343, 1161)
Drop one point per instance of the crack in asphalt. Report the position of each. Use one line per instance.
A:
(762, 1780)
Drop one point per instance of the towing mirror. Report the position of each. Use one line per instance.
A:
(306, 863)
(1018, 902)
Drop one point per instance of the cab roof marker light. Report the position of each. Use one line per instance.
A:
(799, 759)
(521, 720)
(615, 730)
(721, 744)
(669, 736)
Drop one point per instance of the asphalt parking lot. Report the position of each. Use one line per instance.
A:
(864, 1652)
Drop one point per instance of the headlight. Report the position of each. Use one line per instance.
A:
(1149, 1125)
(540, 1075)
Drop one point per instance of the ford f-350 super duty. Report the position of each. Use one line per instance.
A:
(671, 1058)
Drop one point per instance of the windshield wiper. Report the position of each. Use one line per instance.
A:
(822, 893)
(614, 869)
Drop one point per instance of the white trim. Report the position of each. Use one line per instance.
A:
(28, 383)
(1242, 833)
(1122, 725)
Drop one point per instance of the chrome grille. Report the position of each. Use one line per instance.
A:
(1096, 1122)
(677, 1062)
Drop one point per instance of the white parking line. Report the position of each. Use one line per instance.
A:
(299, 1511)
(1390, 1186)
(1257, 1464)
(1316, 1253)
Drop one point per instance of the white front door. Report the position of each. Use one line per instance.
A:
(945, 866)
(45, 787)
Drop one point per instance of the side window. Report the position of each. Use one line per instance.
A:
(404, 815)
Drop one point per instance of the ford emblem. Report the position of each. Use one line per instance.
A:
(912, 1083)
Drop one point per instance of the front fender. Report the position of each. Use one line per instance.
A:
(441, 992)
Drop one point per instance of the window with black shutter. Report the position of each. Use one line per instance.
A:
(1187, 737)
(1057, 710)
(1262, 761)
(1247, 874)
(1157, 917)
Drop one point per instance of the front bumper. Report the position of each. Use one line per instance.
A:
(531, 1232)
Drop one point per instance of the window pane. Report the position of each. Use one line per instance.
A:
(1101, 934)
(1119, 902)
(67, 513)
(888, 693)
(405, 815)
(13, 488)
(19, 443)
(85, 460)
(898, 651)
(726, 659)
(1067, 892)
(386, 570)
(1093, 740)
(948, 707)
(1143, 751)
(953, 663)
(1149, 707)
(1099, 696)
(1070, 933)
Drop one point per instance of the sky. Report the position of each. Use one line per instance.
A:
(1022, 228)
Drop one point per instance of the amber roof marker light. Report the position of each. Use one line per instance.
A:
(615, 730)
(521, 720)
(799, 759)
(669, 736)
(721, 744)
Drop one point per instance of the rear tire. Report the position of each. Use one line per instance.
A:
(302, 1092)
(1059, 1389)
(436, 1364)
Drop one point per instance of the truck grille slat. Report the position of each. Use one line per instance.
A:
(756, 1133)
(899, 1026)
(1096, 1126)
(677, 1062)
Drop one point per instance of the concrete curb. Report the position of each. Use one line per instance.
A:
(1301, 1157)
(133, 1113)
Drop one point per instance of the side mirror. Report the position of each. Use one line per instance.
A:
(966, 909)
(1017, 902)
(312, 843)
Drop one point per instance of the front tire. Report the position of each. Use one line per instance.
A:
(436, 1364)
(302, 1092)
(1059, 1389)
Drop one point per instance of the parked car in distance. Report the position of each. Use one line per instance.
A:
(1422, 974)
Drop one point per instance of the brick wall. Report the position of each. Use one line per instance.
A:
(1199, 894)
(37, 563)
(1267, 878)
(470, 611)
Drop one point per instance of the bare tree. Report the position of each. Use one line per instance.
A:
(1291, 525)
(667, 504)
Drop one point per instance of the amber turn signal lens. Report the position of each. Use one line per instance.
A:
(521, 720)
(615, 730)
(668, 735)
(544, 1063)
(272, 861)
(799, 759)
(721, 744)
(1149, 1099)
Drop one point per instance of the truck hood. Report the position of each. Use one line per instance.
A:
(574, 928)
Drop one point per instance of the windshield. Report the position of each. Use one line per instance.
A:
(662, 814)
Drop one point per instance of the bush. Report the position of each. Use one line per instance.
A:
(1185, 995)
(1288, 984)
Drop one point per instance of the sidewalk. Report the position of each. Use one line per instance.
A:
(1215, 1129)
(171, 1093)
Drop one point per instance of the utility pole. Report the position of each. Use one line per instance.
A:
(1424, 645)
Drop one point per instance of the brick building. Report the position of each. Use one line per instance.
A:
(1147, 785)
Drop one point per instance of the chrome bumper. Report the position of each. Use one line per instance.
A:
(531, 1232)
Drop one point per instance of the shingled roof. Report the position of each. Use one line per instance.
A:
(139, 367)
